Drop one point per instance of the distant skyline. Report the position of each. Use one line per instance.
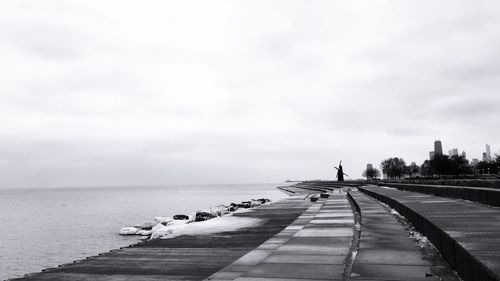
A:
(96, 93)
(438, 147)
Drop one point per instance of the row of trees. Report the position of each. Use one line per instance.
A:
(396, 168)
(445, 165)
(393, 167)
(488, 167)
(458, 165)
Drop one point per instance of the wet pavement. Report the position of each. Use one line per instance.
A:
(387, 252)
(327, 243)
(316, 246)
(467, 234)
(483, 195)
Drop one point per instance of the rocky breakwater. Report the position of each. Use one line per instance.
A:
(210, 220)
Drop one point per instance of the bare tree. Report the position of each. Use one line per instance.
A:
(372, 173)
(413, 169)
(394, 167)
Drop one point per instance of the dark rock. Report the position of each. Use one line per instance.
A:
(244, 205)
(202, 216)
(264, 200)
(181, 217)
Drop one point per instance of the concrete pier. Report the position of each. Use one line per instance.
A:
(483, 195)
(324, 231)
(466, 233)
(330, 242)
(316, 246)
(181, 258)
(388, 252)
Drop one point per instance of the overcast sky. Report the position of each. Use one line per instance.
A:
(169, 92)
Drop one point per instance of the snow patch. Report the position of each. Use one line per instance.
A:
(161, 230)
(422, 240)
(129, 230)
(220, 224)
(239, 211)
(143, 232)
(211, 220)
(394, 212)
(357, 226)
(163, 220)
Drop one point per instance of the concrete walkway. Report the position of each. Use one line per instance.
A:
(325, 244)
(301, 240)
(316, 246)
(187, 257)
(483, 195)
(387, 252)
(467, 234)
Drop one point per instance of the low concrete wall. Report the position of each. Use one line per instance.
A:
(467, 266)
(486, 196)
(355, 204)
(488, 183)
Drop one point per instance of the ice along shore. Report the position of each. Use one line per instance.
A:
(185, 257)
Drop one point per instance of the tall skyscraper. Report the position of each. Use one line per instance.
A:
(488, 153)
(485, 157)
(431, 155)
(438, 148)
(464, 155)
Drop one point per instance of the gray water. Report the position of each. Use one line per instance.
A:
(43, 228)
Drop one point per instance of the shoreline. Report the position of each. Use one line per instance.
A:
(226, 222)
(58, 226)
(182, 224)
(301, 236)
(240, 242)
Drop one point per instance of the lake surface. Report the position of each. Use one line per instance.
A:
(46, 227)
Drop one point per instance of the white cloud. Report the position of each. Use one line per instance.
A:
(121, 92)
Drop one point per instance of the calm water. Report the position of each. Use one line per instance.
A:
(47, 227)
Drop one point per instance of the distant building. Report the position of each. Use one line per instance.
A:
(431, 155)
(369, 166)
(453, 152)
(485, 157)
(438, 148)
(474, 162)
(464, 155)
(488, 153)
